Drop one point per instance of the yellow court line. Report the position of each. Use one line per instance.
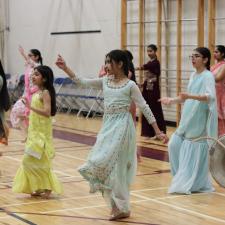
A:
(65, 199)
(62, 173)
(69, 156)
(180, 208)
(103, 205)
(49, 200)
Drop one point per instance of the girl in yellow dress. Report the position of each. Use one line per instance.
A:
(35, 175)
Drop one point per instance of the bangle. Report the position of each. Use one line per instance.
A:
(159, 133)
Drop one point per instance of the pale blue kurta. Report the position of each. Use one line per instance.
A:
(111, 164)
(189, 159)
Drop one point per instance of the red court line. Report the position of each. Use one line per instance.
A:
(90, 132)
(88, 140)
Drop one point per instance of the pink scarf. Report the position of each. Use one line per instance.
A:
(213, 68)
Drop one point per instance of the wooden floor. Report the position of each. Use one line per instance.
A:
(73, 137)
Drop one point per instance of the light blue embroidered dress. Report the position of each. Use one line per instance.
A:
(189, 159)
(111, 164)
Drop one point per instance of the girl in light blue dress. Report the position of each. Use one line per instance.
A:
(189, 158)
(111, 164)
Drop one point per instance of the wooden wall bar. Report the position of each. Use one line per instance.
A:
(212, 26)
(200, 4)
(200, 27)
(123, 24)
(141, 37)
(179, 55)
(159, 28)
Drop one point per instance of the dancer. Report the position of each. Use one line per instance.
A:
(111, 164)
(218, 71)
(151, 92)
(4, 106)
(35, 175)
(19, 114)
(189, 158)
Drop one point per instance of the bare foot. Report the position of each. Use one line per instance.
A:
(120, 215)
(24, 141)
(46, 194)
(139, 155)
(114, 211)
(35, 194)
(4, 141)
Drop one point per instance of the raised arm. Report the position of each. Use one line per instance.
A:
(22, 52)
(143, 106)
(95, 83)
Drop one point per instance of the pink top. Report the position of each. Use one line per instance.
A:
(30, 89)
(220, 90)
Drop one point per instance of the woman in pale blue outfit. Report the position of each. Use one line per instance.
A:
(189, 158)
(111, 164)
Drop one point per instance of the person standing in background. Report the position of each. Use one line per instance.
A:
(218, 70)
(19, 114)
(151, 92)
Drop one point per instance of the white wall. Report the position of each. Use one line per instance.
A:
(32, 21)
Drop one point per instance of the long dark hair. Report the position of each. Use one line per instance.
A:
(205, 52)
(221, 49)
(131, 65)
(36, 53)
(153, 47)
(4, 95)
(48, 77)
(119, 56)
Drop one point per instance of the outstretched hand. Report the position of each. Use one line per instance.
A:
(163, 137)
(21, 50)
(183, 96)
(60, 62)
(166, 100)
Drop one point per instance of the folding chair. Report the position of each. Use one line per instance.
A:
(97, 105)
(69, 99)
(17, 90)
(83, 100)
(58, 83)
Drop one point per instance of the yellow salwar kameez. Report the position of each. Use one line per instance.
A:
(36, 172)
